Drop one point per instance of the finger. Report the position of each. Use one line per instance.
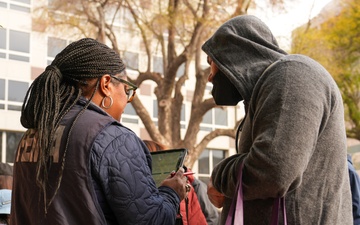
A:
(172, 173)
(180, 172)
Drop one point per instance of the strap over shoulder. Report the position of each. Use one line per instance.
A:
(236, 211)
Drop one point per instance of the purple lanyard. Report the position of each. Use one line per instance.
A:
(236, 211)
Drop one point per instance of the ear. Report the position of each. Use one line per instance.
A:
(104, 85)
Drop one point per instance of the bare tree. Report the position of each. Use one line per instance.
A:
(174, 29)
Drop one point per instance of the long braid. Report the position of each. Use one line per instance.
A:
(66, 148)
(54, 92)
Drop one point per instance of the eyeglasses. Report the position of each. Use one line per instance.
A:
(130, 88)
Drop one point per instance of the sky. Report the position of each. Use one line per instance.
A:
(297, 12)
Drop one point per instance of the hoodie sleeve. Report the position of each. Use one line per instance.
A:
(290, 107)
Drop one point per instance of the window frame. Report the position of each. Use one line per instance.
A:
(10, 51)
(12, 105)
(211, 162)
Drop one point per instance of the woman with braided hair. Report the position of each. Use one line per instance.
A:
(76, 163)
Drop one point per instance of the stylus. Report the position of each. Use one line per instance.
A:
(185, 174)
(189, 173)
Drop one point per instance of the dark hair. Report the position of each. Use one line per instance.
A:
(154, 146)
(57, 89)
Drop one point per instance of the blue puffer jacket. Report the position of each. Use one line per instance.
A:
(121, 171)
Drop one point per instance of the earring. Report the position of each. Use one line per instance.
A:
(103, 102)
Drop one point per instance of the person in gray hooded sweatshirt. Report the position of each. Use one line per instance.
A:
(293, 141)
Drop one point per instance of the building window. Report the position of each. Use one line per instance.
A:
(2, 38)
(214, 118)
(208, 117)
(129, 110)
(131, 60)
(20, 8)
(17, 90)
(12, 94)
(18, 5)
(2, 94)
(12, 141)
(208, 89)
(16, 94)
(155, 111)
(181, 70)
(16, 46)
(2, 89)
(9, 141)
(23, 1)
(206, 162)
(130, 115)
(55, 46)
(19, 41)
(182, 113)
(220, 117)
(158, 65)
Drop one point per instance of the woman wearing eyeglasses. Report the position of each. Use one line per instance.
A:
(76, 163)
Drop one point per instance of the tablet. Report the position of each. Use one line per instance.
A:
(166, 161)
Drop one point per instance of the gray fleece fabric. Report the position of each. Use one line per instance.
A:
(293, 141)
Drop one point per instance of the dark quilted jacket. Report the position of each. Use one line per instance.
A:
(121, 173)
(106, 178)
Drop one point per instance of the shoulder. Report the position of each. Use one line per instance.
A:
(298, 73)
(117, 142)
(297, 66)
(115, 135)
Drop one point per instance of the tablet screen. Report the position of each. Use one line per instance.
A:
(166, 161)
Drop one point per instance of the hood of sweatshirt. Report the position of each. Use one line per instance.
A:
(242, 48)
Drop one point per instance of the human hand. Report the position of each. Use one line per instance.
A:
(189, 174)
(215, 197)
(177, 182)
